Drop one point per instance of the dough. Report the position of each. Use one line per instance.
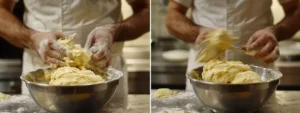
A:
(74, 76)
(234, 72)
(3, 97)
(218, 71)
(164, 93)
(215, 45)
(194, 74)
(77, 56)
(246, 77)
(76, 71)
(176, 55)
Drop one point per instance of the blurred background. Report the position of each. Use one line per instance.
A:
(136, 53)
(166, 73)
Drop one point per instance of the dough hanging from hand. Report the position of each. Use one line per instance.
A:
(215, 45)
(218, 71)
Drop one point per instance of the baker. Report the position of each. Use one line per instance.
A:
(98, 23)
(250, 21)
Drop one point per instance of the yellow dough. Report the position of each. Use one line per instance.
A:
(215, 45)
(76, 71)
(74, 76)
(234, 72)
(164, 93)
(77, 56)
(3, 97)
(218, 71)
(246, 77)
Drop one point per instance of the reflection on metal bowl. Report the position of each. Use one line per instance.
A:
(237, 98)
(74, 98)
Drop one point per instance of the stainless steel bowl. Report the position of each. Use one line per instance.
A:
(72, 99)
(237, 98)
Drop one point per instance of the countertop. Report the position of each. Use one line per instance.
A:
(280, 102)
(24, 104)
(138, 104)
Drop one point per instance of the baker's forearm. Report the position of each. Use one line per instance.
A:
(134, 26)
(288, 26)
(179, 25)
(13, 30)
(182, 27)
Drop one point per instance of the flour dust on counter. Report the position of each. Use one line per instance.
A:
(20, 104)
(187, 101)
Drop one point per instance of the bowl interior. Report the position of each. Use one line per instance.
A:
(38, 77)
(87, 98)
(238, 98)
(266, 74)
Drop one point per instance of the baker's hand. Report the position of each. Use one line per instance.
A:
(99, 43)
(203, 34)
(48, 49)
(266, 41)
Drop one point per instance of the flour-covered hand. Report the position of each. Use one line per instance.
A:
(99, 43)
(203, 34)
(46, 46)
(264, 40)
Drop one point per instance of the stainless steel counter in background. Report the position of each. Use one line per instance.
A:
(137, 57)
(291, 75)
(11, 60)
(165, 73)
(289, 64)
(10, 71)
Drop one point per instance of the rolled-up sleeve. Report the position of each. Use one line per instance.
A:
(186, 3)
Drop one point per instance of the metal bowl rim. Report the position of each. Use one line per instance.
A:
(120, 75)
(224, 84)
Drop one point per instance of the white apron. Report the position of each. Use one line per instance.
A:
(75, 16)
(242, 17)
